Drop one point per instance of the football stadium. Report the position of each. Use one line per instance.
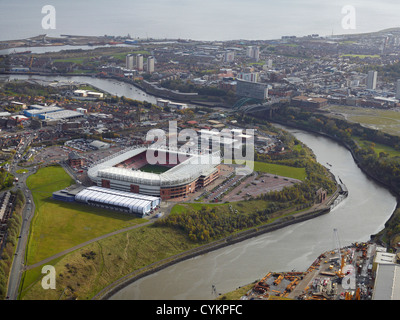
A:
(151, 171)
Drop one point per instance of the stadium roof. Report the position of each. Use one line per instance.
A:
(185, 172)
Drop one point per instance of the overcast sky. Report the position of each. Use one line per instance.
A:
(195, 19)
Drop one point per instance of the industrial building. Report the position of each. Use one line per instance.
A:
(99, 145)
(117, 200)
(61, 115)
(167, 103)
(387, 287)
(36, 110)
(51, 113)
(375, 273)
(131, 203)
(88, 94)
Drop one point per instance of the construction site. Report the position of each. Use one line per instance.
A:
(362, 271)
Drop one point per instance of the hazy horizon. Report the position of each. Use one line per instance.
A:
(195, 19)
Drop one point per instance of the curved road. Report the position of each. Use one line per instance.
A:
(19, 255)
(18, 265)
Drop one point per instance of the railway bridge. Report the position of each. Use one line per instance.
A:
(249, 105)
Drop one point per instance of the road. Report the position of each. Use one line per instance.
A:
(17, 267)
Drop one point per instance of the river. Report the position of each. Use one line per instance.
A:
(111, 86)
(362, 214)
(52, 48)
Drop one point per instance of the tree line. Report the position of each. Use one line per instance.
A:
(13, 229)
(380, 166)
(211, 223)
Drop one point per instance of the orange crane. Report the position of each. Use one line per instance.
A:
(358, 296)
(278, 281)
(348, 296)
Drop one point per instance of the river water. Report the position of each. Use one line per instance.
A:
(109, 85)
(363, 213)
(295, 247)
(51, 48)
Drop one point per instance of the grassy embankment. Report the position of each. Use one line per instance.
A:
(58, 226)
(381, 119)
(281, 170)
(84, 272)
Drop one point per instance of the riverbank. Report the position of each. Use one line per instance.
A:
(356, 160)
(316, 211)
(150, 272)
(294, 247)
(149, 89)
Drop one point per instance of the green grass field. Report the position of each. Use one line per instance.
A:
(361, 56)
(58, 225)
(154, 168)
(385, 120)
(112, 258)
(281, 170)
(378, 148)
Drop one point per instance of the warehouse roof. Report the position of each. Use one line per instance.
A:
(63, 114)
(155, 200)
(117, 199)
(42, 110)
(386, 287)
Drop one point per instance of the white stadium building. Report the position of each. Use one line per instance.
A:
(178, 175)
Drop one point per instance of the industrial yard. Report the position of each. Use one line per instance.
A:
(362, 271)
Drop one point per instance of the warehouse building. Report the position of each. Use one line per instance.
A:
(61, 115)
(38, 111)
(387, 286)
(155, 201)
(117, 200)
